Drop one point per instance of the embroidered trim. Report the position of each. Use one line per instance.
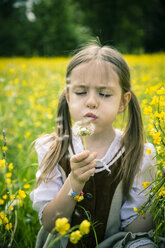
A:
(102, 167)
(105, 166)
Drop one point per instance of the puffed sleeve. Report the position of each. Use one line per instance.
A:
(45, 192)
(146, 173)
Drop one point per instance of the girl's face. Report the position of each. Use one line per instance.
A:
(94, 94)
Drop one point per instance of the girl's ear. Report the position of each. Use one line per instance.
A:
(125, 101)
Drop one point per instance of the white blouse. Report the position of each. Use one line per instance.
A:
(45, 192)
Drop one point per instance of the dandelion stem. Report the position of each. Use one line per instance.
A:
(85, 146)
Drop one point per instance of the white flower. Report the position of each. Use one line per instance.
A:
(82, 128)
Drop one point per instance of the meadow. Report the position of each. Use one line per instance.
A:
(29, 93)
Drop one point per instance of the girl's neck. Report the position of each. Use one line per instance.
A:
(100, 142)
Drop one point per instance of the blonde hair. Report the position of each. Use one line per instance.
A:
(133, 136)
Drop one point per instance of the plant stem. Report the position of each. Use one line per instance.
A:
(85, 146)
(13, 232)
(91, 225)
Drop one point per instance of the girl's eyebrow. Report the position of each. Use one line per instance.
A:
(99, 87)
(80, 85)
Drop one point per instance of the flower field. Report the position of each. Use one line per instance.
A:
(29, 93)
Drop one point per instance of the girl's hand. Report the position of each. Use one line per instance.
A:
(83, 166)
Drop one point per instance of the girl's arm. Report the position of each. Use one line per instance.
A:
(143, 223)
(140, 224)
(82, 167)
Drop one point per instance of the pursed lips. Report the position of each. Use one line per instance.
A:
(91, 116)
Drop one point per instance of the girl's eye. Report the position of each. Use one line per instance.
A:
(80, 93)
(104, 95)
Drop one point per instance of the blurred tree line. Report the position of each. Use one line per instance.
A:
(56, 27)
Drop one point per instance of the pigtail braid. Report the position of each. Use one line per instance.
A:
(133, 143)
(64, 126)
(60, 141)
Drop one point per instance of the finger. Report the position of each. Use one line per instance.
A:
(82, 156)
(91, 157)
(87, 174)
(79, 157)
(80, 172)
(87, 167)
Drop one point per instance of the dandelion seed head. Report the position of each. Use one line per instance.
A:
(82, 128)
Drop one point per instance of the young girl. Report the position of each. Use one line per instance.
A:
(112, 169)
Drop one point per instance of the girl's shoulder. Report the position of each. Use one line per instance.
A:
(147, 169)
(148, 163)
(149, 151)
(43, 143)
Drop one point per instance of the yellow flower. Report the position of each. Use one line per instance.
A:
(141, 212)
(19, 146)
(75, 237)
(20, 124)
(2, 215)
(27, 134)
(135, 210)
(160, 115)
(4, 148)
(4, 197)
(24, 83)
(157, 138)
(8, 180)
(2, 163)
(159, 173)
(155, 100)
(1, 201)
(162, 192)
(10, 167)
(145, 184)
(5, 219)
(16, 81)
(8, 93)
(148, 151)
(23, 66)
(8, 226)
(84, 227)
(26, 186)
(138, 211)
(38, 124)
(0, 221)
(147, 110)
(161, 91)
(12, 70)
(53, 77)
(50, 116)
(21, 194)
(12, 197)
(8, 175)
(11, 208)
(62, 225)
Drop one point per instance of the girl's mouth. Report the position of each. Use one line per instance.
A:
(91, 116)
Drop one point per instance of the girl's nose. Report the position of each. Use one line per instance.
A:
(92, 101)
